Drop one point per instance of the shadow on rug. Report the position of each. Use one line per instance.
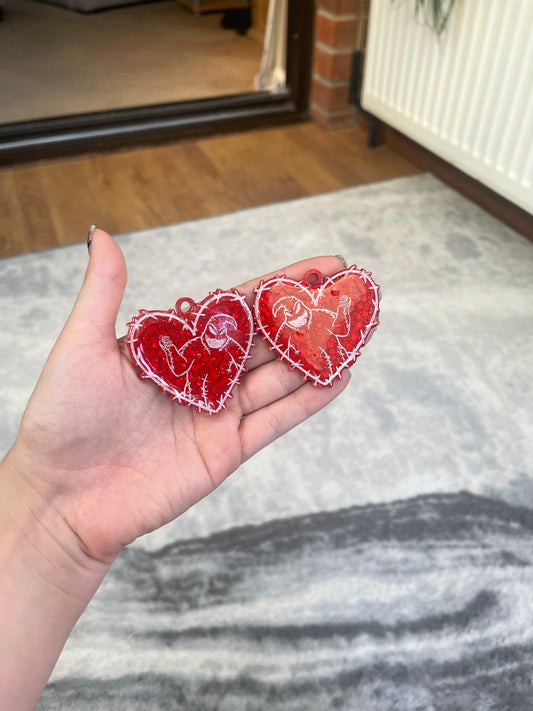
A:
(417, 604)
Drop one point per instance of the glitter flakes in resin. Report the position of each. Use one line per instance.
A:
(318, 325)
(195, 352)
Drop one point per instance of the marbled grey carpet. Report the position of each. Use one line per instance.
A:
(380, 556)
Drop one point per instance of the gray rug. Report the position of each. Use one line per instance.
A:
(378, 557)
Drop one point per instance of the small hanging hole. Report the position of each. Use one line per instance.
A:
(183, 305)
(313, 277)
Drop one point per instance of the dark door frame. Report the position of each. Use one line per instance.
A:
(121, 128)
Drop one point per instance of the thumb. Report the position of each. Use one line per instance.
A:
(96, 308)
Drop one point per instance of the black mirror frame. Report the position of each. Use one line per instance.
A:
(144, 125)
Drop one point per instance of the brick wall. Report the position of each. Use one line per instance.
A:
(340, 28)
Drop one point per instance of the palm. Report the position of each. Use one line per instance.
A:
(133, 459)
(160, 457)
(126, 459)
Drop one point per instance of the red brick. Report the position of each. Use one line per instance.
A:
(330, 98)
(339, 34)
(332, 66)
(337, 119)
(339, 7)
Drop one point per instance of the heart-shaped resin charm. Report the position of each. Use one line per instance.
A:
(195, 352)
(318, 325)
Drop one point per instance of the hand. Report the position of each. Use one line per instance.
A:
(345, 301)
(103, 457)
(117, 458)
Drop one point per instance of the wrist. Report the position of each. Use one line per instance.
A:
(46, 583)
(34, 533)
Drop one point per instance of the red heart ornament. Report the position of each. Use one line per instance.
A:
(318, 325)
(195, 352)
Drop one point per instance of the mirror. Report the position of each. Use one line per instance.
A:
(55, 122)
(83, 56)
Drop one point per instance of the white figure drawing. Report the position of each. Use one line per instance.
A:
(296, 317)
(215, 343)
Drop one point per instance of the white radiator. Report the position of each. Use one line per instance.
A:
(467, 98)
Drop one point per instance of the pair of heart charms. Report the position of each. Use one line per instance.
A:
(197, 352)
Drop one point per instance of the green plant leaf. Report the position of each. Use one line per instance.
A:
(434, 13)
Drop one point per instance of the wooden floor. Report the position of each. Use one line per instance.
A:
(54, 203)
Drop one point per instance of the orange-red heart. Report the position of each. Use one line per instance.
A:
(318, 325)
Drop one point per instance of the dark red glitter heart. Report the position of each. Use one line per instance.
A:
(318, 325)
(196, 356)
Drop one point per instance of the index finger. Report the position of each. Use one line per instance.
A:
(326, 265)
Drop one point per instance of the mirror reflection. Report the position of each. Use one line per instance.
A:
(80, 56)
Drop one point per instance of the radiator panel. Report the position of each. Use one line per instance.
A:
(467, 98)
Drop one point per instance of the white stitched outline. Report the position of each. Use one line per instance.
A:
(328, 359)
(204, 388)
(184, 396)
(315, 294)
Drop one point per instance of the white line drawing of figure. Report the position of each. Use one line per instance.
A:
(296, 317)
(216, 343)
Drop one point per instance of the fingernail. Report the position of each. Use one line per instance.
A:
(90, 238)
(344, 262)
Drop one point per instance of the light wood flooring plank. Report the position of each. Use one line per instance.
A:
(54, 203)
(35, 209)
(251, 172)
(309, 171)
(13, 232)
